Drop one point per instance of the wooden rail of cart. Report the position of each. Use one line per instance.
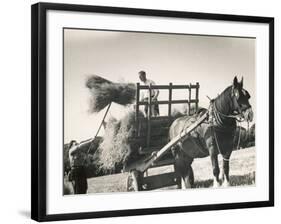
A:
(156, 151)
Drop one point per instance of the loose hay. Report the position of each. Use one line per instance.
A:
(120, 146)
(116, 147)
(103, 92)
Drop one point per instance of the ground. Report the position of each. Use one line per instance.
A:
(242, 172)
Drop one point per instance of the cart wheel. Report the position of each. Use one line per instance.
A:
(134, 181)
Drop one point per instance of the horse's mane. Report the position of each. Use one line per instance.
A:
(223, 101)
(223, 105)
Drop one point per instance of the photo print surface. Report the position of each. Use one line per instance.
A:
(157, 111)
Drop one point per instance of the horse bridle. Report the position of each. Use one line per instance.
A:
(239, 116)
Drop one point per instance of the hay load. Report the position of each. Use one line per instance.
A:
(120, 145)
(117, 147)
(103, 92)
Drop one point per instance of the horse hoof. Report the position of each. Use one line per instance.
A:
(226, 184)
(216, 184)
(183, 186)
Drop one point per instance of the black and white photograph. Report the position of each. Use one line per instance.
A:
(148, 111)
(141, 111)
(138, 111)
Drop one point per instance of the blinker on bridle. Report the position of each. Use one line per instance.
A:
(235, 98)
(236, 113)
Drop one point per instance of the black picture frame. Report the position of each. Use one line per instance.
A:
(39, 108)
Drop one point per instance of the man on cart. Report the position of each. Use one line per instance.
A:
(145, 95)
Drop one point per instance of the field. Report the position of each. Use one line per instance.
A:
(242, 172)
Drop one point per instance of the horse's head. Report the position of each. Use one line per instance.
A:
(241, 102)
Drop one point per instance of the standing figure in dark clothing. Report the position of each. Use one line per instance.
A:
(77, 174)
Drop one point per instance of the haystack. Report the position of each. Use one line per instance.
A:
(103, 92)
(116, 147)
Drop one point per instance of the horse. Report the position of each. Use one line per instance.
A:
(212, 137)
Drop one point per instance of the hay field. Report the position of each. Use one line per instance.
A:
(242, 172)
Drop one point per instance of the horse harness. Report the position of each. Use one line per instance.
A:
(216, 121)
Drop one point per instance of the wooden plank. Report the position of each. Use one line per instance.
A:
(158, 142)
(163, 162)
(142, 87)
(148, 151)
(157, 118)
(137, 107)
(189, 99)
(154, 141)
(156, 122)
(167, 102)
(197, 95)
(149, 116)
(154, 131)
(159, 181)
(170, 100)
(157, 129)
(168, 159)
(159, 138)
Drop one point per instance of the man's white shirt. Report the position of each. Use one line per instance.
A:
(145, 94)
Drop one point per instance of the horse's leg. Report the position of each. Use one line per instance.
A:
(189, 177)
(175, 152)
(178, 176)
(214, 161)
(225, 175)
(187, 173)
(186, 177)
(183, 170)
(216, 170)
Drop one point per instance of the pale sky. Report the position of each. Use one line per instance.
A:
(119, 56)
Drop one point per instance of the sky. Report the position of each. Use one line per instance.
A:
(212, 61)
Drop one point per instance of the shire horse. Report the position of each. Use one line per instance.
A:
(214, 136)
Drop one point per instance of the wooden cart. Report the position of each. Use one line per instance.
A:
(157, 151)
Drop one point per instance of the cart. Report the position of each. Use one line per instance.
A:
(157, 150)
